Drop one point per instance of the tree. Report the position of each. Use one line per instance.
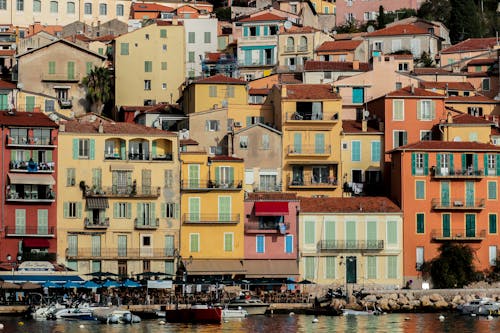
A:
(435, 10)
(425, 60)
(99, 88)
(465, 21)
(453, 268)
(381, 18)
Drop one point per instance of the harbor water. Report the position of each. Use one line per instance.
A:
(390, 323)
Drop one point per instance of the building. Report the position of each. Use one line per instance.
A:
(29, 174)
(309, 116)
(200, 38)
(342, 50)
(351, 242)
(49, 77)
(120, 209)
(468, 50)
(330, 71)
(448, 192)
(155, 49)
(465, 127)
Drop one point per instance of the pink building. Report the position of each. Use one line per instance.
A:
(271, 235)
(366, 10)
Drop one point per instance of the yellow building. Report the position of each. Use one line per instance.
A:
(324, 6)
(149, 64)
(477, 105)
(309, 116)
(361, 158)
(120, 208)
(465, 127)
(211, 214)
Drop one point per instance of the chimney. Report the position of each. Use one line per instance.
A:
(355, 65)
(283, 91)
(412, 89)
(175, 21)
(364, 125)
(449, 118)
(381, 126)
(62, 128)
(101, 128)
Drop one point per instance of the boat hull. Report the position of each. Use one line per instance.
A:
(210, 315)
(252, 309)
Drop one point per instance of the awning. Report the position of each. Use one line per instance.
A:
(20, 277)
(36, 243)
(215, 267)
(271, 208)
(97, 203)
(271, 268)
(121, 167)
(31, 178)
(313, 162)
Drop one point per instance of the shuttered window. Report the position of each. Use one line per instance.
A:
(169, 245)
(20, 221)
(392, 267)
(194, 243)
(72, 245)
(420, 223)
(289, 244)
(228, 241)
(492, 223)
(330, 267)
(309, 234)
(392, 233)
(43, 222)
(260, 246)
(371, 267)
(355, 151)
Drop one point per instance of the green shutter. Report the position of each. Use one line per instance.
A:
(419, 110)
(48, 156)
(75, 149)
(52, 67)
(464, 163)
(66, 210)
(485, 163)
(92, 149)
(355, 151)
(194, 209)
(71, 70)
(194, 240)
(140, 213)
(420, 223)
(309, 234)
(128, 208)
(245, 31)
(231, 175)
(492, 190)
(452, 166)
(426, 164)
(30, 103)
(43, 222)
(392, 233)
(152, 213)
(492, 223)
(163, 212)
(228, 242)
(154, 148)
(438, 163)
(122, 150)
(350, 234)
(217, 175)
(371, 267)
(163, 33)
(79, 210)
(249, 121)
(89, 67)
(297, 143)
(224, 209)
(371, 234)
(330, 267)
(115, 210)
(446, 225)
(476, 164)
(498, 164)
(329, 231)
(413, 163)
(392, 267)
(420, 189)
(319, 143)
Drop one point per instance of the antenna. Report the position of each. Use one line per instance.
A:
(370, 28)
(366, 113)
(287, 25)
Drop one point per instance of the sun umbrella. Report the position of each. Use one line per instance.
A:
(30, 286)
(50, 284)
(71, 284)
(305, 282)
(111, 284)
(101, 274)
(9, 285)
(131, 284)
(91, 284)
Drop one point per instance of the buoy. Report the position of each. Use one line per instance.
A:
(407, 318)
(82, 326)
(226, 321)
(441, 317)
(315, 320)
(291, 314)
(20, 323)
(472, 314)
(162, 322)
(490, 317)
(1, 326)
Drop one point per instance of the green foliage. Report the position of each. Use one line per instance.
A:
(348, 27)
(435, 10)
(223, 13)
(453, 268)
(399, 15)
(464, 20)
(99, 85)
(381, 18)
(425, 60)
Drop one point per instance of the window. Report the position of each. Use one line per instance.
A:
(96, 266)
(147, 84)
(243, 142)
(420, 223)
(420, 189)
(358, 95)
(163, 65)
(420, 163)
(475, 111)
(392, 267)
(191, 37)
(492, 249)
(52, 67)
(37, 6)
(492, 223)
(191, 56)
(403, 66)
(212, 91)
(87, 8)
(309, 234)
(310, 268)
(148, 66)
(371, 267)
(164, 47)
(228, 241)
(164, 86)
(53, 7)
(169, 178)
(83, 148)
(425, 110)
(120, 10)
(399, 85)
(207, 37)
(398, 112)
(122, 210)
(260, 244)
(265, 141)
(419, 257)
(492, 190)
(168, 210)
(146, 214)
(486, 84)
(212, 125)
(491, 164)
(356, 151)
(375, 151)
(3, 4)
(289, 244)
(425, 135)
(20, 5)
(72, 210)
(103, 9)
(70, 177)
(268, 181)
(230, 92)
(392, 233)
(400, 138)
(123, 48)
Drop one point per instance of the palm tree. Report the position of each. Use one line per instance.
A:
(99, 88)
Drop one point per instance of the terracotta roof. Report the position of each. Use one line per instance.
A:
(188, 142)
(339, 45)
(84, 125)
(465, 118)
(431, 71)
(403, 29)
(447, 146)
(143, 108)
(219, 78)
(162, 23)
(150, 7)
(483, 61)
(37, 119)
(271, 196)
(477, 74)
(495, 131)
(417, 92)
(401, 56)
(358, 205)
(339, 66)
(259, 91)
(309, 91)
(472, 44)
(224, 158)
(298, 30)
(462, 86)
(287, 78)
(263, 17)
(7, 52)
(353, 126)
(7, 85)
(105, 38)
(471, 99)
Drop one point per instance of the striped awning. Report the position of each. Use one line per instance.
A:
(97, 203)
(31, 178)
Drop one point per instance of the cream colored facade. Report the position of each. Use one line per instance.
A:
(120, 208)
(22, 13)
(149, 65)
(324, 6)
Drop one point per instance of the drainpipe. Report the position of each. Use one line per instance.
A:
(2, 183)
(176, 264)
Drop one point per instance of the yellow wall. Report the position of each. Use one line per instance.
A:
(211, 235)
(479, 133)
(146, 45)
(365, 163)
(492, 108)
(320, 5)
(197, 96)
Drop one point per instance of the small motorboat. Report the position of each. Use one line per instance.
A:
(252, 304)
(375, 311)
(234, 313)
(198, 313)
(480, 307)
(115, 316)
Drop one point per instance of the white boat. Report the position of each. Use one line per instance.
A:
(82, 312)
(366, 312)
(115, 316)
(480, 306)
(47, 311)
(252, 304)
(234, 313)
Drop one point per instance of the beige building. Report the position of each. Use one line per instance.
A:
(22, 13)
(149, 65)
(49, 77)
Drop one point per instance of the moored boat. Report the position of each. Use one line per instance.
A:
(480, 306)
(252, 304)
(194, 314)
(234, 313)
(115, 316)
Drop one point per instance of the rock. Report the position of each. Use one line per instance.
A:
(456, 299)
(370, 298)
(407, 307)
(436, 298)
(393, 296)
(402, 300)
(410, 296)
(384, 304)
(441, 304)
(393, 305)
(425, 301)
(415, 303)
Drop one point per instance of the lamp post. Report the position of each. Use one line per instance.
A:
(209, 164)
(13, 263)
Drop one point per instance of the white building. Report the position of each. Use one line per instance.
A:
(201, 37)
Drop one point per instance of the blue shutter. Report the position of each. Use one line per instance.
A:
(92, 149)
(75, 149)
(260, 243)
(375, 151)
(297, 142)
(245, 31)
(358, 95)
(289, 244)
(356, 151)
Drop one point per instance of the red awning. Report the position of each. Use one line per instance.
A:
(36, 243)
(271, 208)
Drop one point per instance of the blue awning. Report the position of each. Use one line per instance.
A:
(258, 47)
(17, 278)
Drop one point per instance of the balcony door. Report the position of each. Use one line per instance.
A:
(350, 268)
(445, 194)
(350, 234)
(469, 194)
(470, 225)
(298, 175)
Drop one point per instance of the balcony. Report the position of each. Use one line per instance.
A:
(302, 48)
(312, 182)
(47, 232)
(39, 256)
(309, 150)
(98, 223)
(458, 204)
(265, 63)
(126, 191)
(120, 253)
(310, 117)
(259, 228)
(346, 245)
(211, 218)
(137, 157)
(150, 224)
(27, 197)
(60, 77)
(208, 185)
(289, 49)
(458, 235)
(26, 166)
(30, 141)
(469, 173)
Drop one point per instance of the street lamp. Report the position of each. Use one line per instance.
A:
(13, 263)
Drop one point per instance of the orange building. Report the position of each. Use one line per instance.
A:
(448, 192)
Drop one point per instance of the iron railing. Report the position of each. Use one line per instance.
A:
(458, 204)
(194, 218)
(333, 245)
(467, 234)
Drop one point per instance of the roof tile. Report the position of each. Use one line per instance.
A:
(263, 17)
(310, 91)
(340, 66)
(471, 44)
(339, 45)
(86, 125)
(26, 119)
(219, 78)
(417, 92)
(462, 86)
(447, 146)
(403, 29)
(357, 205)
